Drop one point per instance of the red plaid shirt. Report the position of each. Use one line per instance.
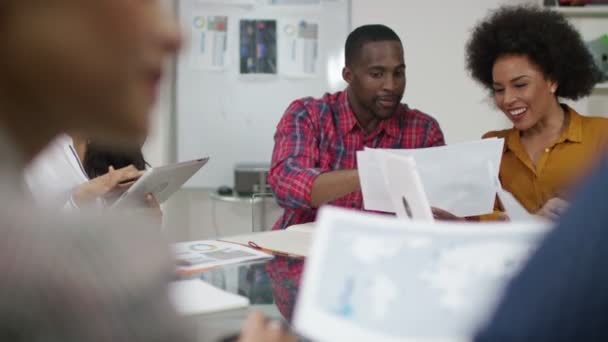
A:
(321, 135)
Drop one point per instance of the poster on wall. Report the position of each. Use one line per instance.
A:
(299, 48)
(209, 42)
(258, 46)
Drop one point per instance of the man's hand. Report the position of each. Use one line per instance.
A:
(332, 185)
(442, 215)
(112, 183)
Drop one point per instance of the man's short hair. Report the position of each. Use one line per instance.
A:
(366, 34)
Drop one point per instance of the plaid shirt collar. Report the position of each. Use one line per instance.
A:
(348, 120)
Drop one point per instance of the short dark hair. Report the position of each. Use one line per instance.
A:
(363, 35)
(545, 37)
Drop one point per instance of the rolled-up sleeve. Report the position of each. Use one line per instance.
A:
(295, 159)
(434, 135)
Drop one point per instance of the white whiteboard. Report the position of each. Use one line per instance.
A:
(232, 118)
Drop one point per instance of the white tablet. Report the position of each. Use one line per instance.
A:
(161, 181)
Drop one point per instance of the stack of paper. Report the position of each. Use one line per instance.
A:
(199, 256)
(194, 297)
(458, 178)
(377, 278)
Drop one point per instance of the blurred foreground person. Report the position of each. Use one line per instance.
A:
(90, 66)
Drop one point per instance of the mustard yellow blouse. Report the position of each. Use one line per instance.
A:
(559, 168)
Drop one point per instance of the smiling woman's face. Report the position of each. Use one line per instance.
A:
(88, 65)
(522, 91)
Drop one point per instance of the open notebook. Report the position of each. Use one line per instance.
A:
(294, 241)
(195, 297)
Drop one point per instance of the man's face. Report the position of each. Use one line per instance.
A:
(377, 79)
(92, 66)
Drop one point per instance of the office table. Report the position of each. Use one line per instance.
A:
(251, 282)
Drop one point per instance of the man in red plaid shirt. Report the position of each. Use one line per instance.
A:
(314, 158)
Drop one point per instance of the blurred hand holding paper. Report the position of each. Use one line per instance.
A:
(455, 177)
(377, 278)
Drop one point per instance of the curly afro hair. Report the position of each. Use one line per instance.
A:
(545, 37)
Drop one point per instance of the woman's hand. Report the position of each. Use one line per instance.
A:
(554, 208)
(112, 183)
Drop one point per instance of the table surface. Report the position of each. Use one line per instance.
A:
(248, 280)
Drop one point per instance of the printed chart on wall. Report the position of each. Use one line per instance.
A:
(258, 46)
(209, 42)
(299, 48)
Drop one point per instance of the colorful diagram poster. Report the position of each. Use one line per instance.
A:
(299, 48)
(209, 42)
(258, 46)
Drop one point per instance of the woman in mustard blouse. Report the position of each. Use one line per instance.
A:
(530, 58)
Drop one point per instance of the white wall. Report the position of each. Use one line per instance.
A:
(591, 28)
(159, 146)
(193, 214)
(434, 33)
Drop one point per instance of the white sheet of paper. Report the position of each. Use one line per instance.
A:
(455, 177)
(373, 186)
(377, 278)
(513, 209)
(195, 297)
(405, 188)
